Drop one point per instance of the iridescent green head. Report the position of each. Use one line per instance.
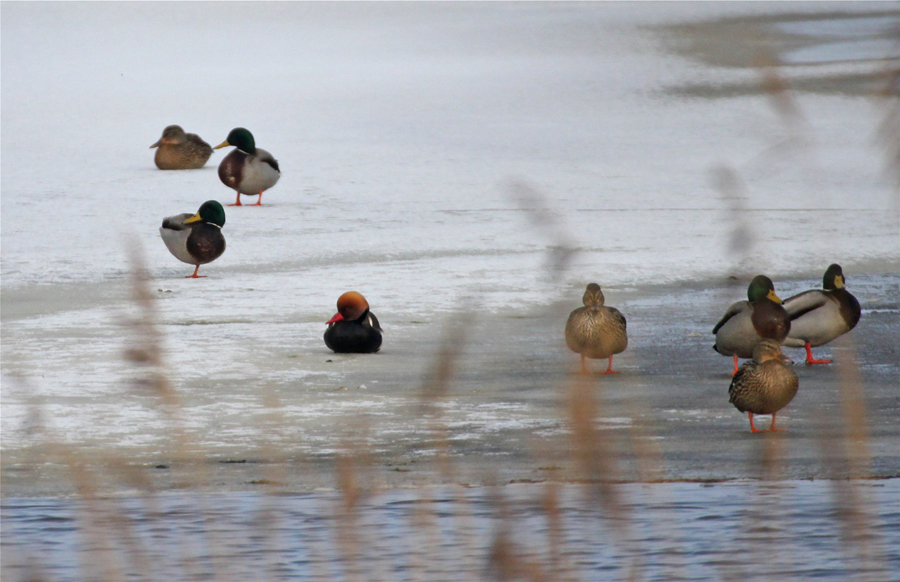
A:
(593, 296)
(241, 139)
(210, 211)
(761, 287)
(834, 277)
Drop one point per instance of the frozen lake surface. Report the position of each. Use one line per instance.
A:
(469, 168)
(438, 158)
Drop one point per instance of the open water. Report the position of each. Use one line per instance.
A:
(788, 530)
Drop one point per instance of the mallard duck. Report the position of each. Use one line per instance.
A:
(746, 323)
(249, 170)
(180, 151)
(765, 384)
(354, 329)
(595, 331)
(821, 315)
(196, 239)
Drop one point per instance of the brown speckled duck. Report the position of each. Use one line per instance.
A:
(764, 385)
(821, 315)
(595, 331)
(746, 323)
(248, 170)
(180, 151)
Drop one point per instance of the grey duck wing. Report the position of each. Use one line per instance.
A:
(803, 303)
(267, 158)
(735, 308)
(176, 222)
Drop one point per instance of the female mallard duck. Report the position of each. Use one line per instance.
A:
(180, 151)
(821, 315)
(354, 329)
(595, 331)
(746, 323)
(764, 385)
(196, 239)
(248, 169)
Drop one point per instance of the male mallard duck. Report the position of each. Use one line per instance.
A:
(765, 384)
(196, 239)
(821, 315)
(180, 151)
(354, 329)
(746, 323)
(595, 331)
(249, 170)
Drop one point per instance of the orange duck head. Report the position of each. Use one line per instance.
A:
(351, 306)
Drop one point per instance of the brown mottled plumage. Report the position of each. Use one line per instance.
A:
(765, 384)
(180, 151)
(595, 331)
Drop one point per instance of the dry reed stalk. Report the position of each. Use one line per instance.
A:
(597, 462)
(22, 564)
(888, 132)
(123, 527)
(96, 512)
(346, 515)
(776, 86)
(852, 500)
(506, 561)
(95, 564)
(733, 189)
(354, 473)
(274, 469)
(595, 457)
(558, 567)
(148, 354)
(651, 469)
(560, 250)
(436, 389)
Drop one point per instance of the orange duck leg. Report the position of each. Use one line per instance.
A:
(811, 360)
(195, 275)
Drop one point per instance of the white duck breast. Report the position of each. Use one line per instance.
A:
(259, 174)
(175, 234)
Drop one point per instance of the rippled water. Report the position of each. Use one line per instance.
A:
(669, 531)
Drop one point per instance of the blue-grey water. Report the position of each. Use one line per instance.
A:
(785, 530)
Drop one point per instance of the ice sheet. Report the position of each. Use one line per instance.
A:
(406, 134)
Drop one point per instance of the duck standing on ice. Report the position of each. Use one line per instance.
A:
(765, 384)
(821, 315)
(595, 331)
(354, 329)
(196, 239)
(248, 170)
(746, 323)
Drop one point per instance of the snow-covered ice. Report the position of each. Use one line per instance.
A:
(429, 153)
